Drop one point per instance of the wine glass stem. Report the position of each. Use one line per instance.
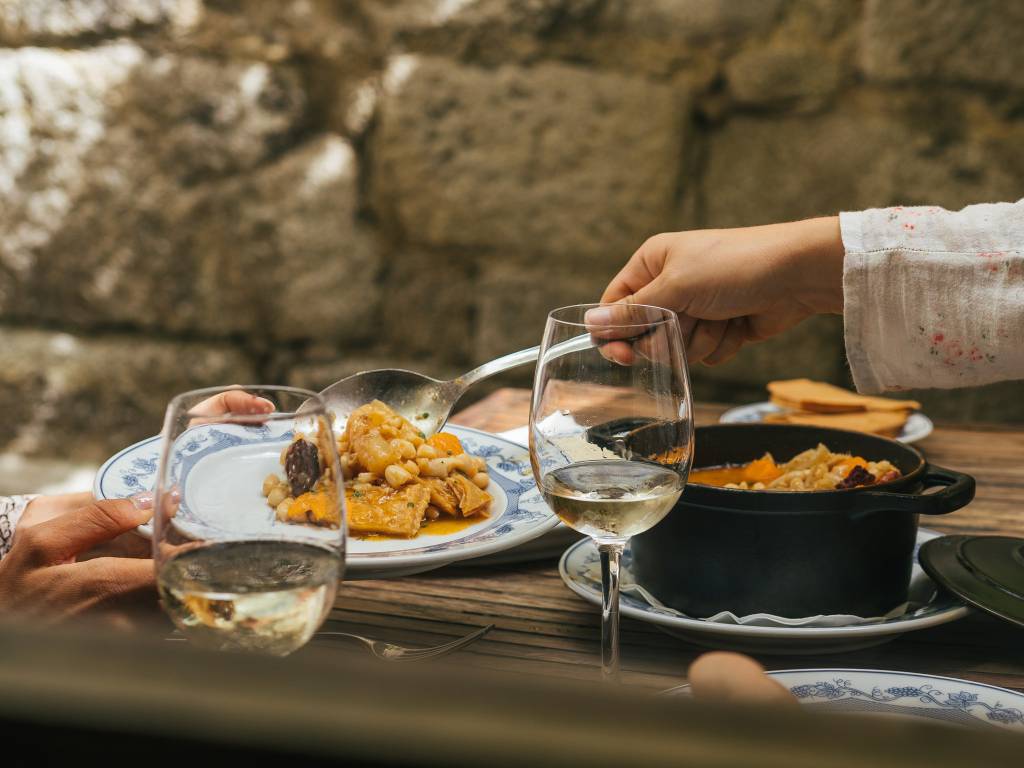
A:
(610, 556)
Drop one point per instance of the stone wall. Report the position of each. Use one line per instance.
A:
(198, 193)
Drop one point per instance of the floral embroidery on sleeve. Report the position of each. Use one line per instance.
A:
(11, 508)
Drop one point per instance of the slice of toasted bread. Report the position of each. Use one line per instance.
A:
(875, 422)
(819, 397)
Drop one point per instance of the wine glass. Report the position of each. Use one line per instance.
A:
(611, 431)
(248, 552)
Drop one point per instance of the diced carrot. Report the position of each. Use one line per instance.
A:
(445, 444)
(763, 470)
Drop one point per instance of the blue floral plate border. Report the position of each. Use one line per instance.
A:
(907, 694)
(520, 514)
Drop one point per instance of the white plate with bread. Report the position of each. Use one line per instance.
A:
(813, 403)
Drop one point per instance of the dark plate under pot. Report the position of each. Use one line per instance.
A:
(792, 553)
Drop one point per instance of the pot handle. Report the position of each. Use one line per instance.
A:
(957, 491)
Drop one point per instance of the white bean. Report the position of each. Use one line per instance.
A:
(426, 452)
(282, 508)
(437, 467)
(405, 449)
(411, 467)
(270, 482)
(366, 477)
(481, 479)
(397, 476)
(276, 496)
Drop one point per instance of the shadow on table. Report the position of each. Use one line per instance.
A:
(117, 697)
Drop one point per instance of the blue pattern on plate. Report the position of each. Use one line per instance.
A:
(508, 465)
(926, 694)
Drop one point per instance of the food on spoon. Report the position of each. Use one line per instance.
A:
(396, 480)
(816, 469)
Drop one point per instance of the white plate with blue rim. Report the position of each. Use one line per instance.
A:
(518, 512)
(918, 425)
(900, 694)
(581, 571)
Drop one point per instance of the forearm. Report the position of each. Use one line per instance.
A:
(816, 248)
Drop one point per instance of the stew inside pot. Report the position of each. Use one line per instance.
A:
(816, 469)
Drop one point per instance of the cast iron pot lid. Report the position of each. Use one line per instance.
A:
(985, 571)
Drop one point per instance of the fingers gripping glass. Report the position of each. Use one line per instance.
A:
(611, 432)
(249, 523)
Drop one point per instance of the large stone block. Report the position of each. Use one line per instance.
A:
(957, 41)
(279, 254)
(83, 397)
(427, 305)
(25, 22)
(513, 302)
(688, 21)
(548, 160)
(100, 148)
(871, 152)
(144, 192)
(764, 76)
(656, 37)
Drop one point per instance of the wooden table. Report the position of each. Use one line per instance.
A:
(544, 629)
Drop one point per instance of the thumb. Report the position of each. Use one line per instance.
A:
(60, 539)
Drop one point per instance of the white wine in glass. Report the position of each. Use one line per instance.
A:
(611, 431)
(231, 574)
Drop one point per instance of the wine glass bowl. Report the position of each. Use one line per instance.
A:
(611, 430)
(234, 573)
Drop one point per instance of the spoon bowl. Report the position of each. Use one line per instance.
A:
(425, 402)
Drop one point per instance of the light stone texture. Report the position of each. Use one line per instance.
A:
(73, 396)
(550, 160)
(514, 303)
(870, 154)
(956, 41)
(31, 21)
(762, 76)
(300, 190)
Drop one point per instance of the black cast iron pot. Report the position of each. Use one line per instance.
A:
(793, 553)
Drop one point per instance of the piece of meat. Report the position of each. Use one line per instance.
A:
(472, 500)
(441, 496)
(858, 476)
(302, 466)
(385, 510)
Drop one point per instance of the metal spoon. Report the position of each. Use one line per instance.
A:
(424, 401)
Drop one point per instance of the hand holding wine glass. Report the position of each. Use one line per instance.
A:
(611, 444)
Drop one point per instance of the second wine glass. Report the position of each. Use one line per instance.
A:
(249, 539)
(611, 431)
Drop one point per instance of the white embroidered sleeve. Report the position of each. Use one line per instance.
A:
(934, 298)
